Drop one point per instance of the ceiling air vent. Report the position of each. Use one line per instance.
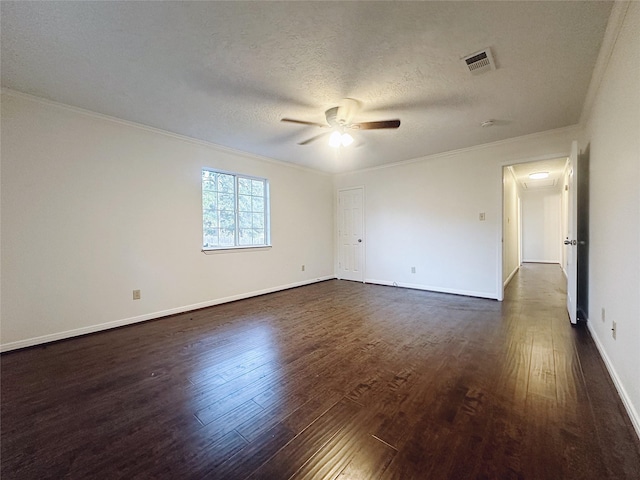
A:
(480, 62)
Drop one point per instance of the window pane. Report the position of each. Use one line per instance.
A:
(226, 183)
(211, 240)
(244, 237)
(258, 204)
(244, 186)
(209, 200)
(244, 203)
(210, 218)
(227, 220)
(227, 237)
(209, 180)
(233, 210)
(257, 188)
(244, 219)
(226, 202)
(257, 220)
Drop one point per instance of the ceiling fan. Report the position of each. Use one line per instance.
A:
(339, 119)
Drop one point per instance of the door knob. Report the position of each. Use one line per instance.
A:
(359, 240)
(567, 242)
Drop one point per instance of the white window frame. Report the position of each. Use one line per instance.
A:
(267, 222)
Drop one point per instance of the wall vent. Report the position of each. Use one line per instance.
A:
(480, 62)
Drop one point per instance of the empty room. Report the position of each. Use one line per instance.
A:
(320, 240)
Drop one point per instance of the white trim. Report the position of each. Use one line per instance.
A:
(510, 277)
(244, 248)
(500, 286)
(30, 342)
(614, 26)
(449, 153)
(336, 262)
(415, 286)
(531, 260)
(500, 237)
(177, 136)
(622, 393)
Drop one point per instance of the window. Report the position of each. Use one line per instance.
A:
(235, 210)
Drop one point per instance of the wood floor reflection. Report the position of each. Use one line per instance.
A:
(332, 380)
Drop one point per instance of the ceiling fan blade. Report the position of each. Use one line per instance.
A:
(313, 139)
(304, 122)
(376, 125)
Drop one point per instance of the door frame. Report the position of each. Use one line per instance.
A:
(500, 208)
(572, 227)
(364, 231)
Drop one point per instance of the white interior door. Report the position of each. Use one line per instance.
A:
(351, 234)
(571, 241)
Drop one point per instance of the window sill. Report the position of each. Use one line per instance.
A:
(213, 251)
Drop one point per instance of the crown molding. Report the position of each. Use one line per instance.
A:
(140, 126)
(614, 26)
(475, 148)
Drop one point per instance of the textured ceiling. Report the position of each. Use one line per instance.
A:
(227, 72)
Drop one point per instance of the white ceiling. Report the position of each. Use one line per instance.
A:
(227, 72)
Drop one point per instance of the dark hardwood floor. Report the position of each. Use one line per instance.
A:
(331, 380)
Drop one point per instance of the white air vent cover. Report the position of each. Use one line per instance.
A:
(480, 62)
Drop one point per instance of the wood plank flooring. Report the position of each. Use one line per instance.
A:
(336, 380)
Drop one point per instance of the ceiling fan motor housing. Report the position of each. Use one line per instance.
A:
(341, 116)
(332, 117)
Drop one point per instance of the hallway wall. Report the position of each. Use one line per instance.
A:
(510, 226)
(541, 226)
(612, 133)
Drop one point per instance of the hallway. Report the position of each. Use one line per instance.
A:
(570, 402)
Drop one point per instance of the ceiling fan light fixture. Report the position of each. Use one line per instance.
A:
(337, 139)
(538, 175)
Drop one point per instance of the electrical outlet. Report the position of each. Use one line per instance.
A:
(413, 269)
(136, 294)
(603, 314)
(481, 216)
(614, 330)
(303, 268)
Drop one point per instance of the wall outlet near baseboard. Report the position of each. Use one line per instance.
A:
(603, 314)
(136, 294)
(303, 268)
(413, 269)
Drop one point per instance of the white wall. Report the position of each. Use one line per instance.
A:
(541, 225)
(510, 222)
(612, 131)
(93, 208)
(426, 214)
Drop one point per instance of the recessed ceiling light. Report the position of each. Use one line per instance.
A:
(538, 175)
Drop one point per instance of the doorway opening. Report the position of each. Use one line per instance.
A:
(535, 215)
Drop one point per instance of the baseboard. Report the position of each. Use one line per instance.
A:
(510, 277)
(30, 342)
(415, 286)
(541, 261)
(626, 401)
